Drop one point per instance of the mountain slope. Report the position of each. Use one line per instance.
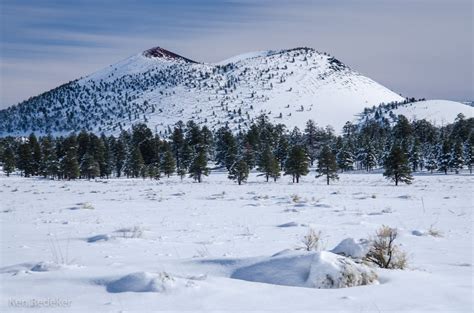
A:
(438, 112)
(159, 88)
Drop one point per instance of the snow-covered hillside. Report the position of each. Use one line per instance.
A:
(438, 112)
(159, 88)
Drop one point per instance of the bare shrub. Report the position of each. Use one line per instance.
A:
(384, 252)
(434, 232)
(87, 206)
(295, 198)
(311, 240)
(131, 232)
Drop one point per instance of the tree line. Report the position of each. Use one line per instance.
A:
(272, 150)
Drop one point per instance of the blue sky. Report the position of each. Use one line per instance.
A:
(420, 48)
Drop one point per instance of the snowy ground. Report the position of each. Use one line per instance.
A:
(202, 235)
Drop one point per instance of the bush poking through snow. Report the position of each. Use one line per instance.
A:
(383, 252)
(131, 232)
(295, 198)
(434, 232)
(87, 206)
(311, 240)
(329, 270)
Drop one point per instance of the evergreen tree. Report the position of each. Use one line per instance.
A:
(367, 157)
(296, 164)
(177, 144)
(35, 154)
(90, 168)
(403, 129)
(8, 161)
(397, 167)
(154, 170)
(327, 165)
(432, 160)
(226, 148)
(134, 164)
(268, 164)
(468, 153)
(186, 157)
(70, 165)
(345, 158)
(198, 167)
(282, 151)
(415, 156)
(444, 156)
(119, 151)
(239, 171)
(310, 139)
(456, 162)
(49, 162)
(168, 166)
(24, 161)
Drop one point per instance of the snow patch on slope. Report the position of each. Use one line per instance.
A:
(439, 112)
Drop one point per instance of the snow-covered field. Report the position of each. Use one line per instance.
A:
(124, 245)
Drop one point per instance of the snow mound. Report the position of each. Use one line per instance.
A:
(46, 267)
(314, 270)
(143, 282)
(329, 270)
(350, 248)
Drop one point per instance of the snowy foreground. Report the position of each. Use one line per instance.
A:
(143, 246)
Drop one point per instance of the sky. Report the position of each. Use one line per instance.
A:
(418, 48)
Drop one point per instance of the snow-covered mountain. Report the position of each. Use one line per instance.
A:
(159, 87)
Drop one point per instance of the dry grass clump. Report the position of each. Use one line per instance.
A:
(312, 240)
(384, 252)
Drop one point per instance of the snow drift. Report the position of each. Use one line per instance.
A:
(323, 270)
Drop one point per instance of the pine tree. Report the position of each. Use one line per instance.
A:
(168, 165)
(468, 153)
(24, 162)
(90, 168)
(49, 162)
(268, 164)
(239, 171)
(345, 158)
(432, 160)
(153, 170)
(119, 151)
(367, 157)
(8, 161)
(397, 167)
(198, 167)
(415, 156)
(327, 165)
(444, 156)
(177, 143)
(456, 162)
(35, 154)
(296, 164)
(134, 163)
(282, 151)
(226, 148)
(108, 160)
(186, 157)
(310, 139)
(70, 165)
